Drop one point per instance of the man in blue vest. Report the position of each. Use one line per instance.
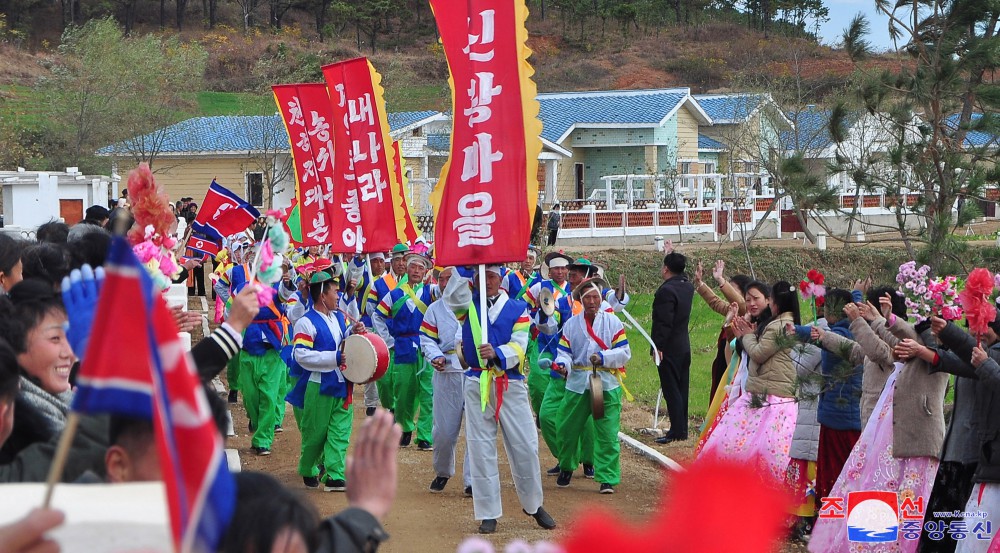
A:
(262, 373)
(401, 311)
(383, 285)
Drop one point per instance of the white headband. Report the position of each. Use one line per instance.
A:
(558, 262)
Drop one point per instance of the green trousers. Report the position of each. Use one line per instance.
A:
(414, 390)
(550, 419)
(538, 379)
(233, 372)
(261, 380)
(296, 412)
(326, 433)
(385, 385)
(607, 451)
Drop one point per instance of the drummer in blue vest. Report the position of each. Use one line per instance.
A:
(322, 392)
(365, 285)
(262, 372)
(384, 284)
(496, 396)
(401, 311)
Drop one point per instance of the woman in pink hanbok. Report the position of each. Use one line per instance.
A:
(899, 448)
(757, 427)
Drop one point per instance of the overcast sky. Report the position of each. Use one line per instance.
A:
(841, 13)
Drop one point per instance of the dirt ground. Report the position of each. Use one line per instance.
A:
(450, 513)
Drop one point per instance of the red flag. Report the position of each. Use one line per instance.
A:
(223, 213)
(202, 246)
(364, 163)
(305, 109)
(486, 196)
(409, 231)
(135, 353)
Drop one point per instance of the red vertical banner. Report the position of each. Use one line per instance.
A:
(364, 162)
(490, 178)
(305, 109)
(408, 230)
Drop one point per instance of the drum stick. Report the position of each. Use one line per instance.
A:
(657, 355)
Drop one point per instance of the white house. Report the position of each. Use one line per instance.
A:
(31, 198)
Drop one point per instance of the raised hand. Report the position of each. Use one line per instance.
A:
(852, 311)
(80, 291)
(978, 356)
(907, 349)
(868, 311)
(699, 272)
(719, 271)
(885, 303)
(937, 324)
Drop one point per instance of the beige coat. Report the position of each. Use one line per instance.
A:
(918, 401)
(770, 370)
(719, 305)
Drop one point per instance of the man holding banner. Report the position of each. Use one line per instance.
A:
(496, 396)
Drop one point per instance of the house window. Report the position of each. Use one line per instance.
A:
(709, 168)
(255, 189)
(685, 168)
(417, 132)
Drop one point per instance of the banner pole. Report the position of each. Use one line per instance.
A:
(482, 303)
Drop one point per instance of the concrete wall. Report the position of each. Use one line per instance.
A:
(31, 199)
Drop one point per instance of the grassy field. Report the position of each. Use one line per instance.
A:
(643, 380)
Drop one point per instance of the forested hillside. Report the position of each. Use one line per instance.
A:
(193, 51)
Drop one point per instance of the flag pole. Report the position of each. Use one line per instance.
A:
(62, 452)
(482, 304)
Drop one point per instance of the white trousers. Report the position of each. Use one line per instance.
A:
(520, 440)
(449, 410)
(371, 395)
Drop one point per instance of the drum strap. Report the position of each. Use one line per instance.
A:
(618, 373)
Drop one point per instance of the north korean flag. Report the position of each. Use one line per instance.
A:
(223, 213)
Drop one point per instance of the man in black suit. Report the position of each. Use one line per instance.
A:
(671, 313)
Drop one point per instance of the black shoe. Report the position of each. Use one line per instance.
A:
(488, 526)
(234, 396)
(438, 484)
(670, 438)
(278, 429)
(250, 427)
(404, 441)
(424, 445)
(543, 518)
(554, 471)
(564, 477)
(334, 486)
(468, 491)
(261, 451)
(607, 488)
(310, 481)
(369, 411)
(538, 424)
(588, 471)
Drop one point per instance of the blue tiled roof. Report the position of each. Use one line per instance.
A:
(708, 143)
(729, 108)
(236, 133)
(813, 128)
(439, 142)
(559, 112)
(407, 118)
(974, 138)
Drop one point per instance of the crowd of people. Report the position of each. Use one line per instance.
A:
(852, 401)
(506, 352)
